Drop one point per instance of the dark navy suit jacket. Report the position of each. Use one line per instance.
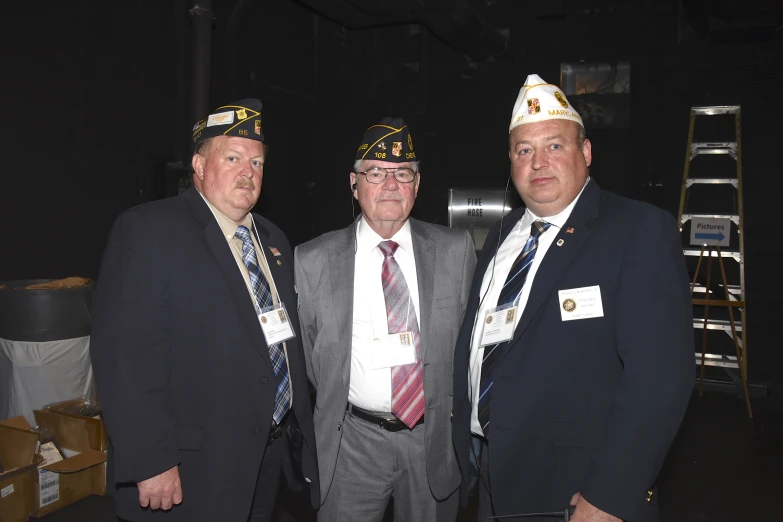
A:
(181, 364)
(589, 405)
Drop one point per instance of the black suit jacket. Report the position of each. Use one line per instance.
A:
(181, 364)
(588, 405)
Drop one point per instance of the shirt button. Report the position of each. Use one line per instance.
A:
(264, 380)
(256, 431)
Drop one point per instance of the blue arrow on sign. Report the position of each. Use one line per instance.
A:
(714, 237)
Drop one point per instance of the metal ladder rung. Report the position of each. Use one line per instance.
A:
(712, 181)
(733, 217)
(723, 361)
(723, 253)
(715, 110)
(733, 290)
(715, 324)
(707, 148)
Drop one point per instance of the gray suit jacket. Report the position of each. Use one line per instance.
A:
(324, 271)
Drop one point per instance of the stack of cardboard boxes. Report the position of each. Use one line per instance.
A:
(61, 461)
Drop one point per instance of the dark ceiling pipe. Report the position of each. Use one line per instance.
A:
(202, 50)
(454, 22)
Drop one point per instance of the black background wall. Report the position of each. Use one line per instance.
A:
(96, 104)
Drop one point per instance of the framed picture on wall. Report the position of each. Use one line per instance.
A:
(600, 92)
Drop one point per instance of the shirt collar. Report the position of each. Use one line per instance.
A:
(226, 224)
(367, 239)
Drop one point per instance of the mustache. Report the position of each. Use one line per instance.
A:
(389, 195)
(246, 183)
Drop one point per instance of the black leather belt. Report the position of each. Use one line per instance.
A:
(384, 422)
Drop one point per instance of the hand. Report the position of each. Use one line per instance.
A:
(586, 512)
(161, 491)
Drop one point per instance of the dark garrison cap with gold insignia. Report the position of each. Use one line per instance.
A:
(241, 118)
(388, 140)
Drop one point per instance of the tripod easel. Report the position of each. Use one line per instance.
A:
(730, 305)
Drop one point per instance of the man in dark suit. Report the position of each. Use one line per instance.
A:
(203, 387)
(578, 399)
(381, 303)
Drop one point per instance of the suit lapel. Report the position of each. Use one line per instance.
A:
(342, 258)
(278, 266)
(424, 250)
(225, 259)
(557, 257)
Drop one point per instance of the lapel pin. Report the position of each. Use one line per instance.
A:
(560, 242)
(570, 230)
(279, 263)
(274, 251)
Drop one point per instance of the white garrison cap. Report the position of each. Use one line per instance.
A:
(539, 101)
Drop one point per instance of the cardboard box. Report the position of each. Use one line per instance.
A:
(46, 487)
(18, 457)
(16, 493)
(96, 430)
(81, 474)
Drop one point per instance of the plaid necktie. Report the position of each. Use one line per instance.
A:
(263, 299)
(408, 379)
(508, 294)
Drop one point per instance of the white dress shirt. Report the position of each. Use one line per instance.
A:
(495, 278)
(371, 389)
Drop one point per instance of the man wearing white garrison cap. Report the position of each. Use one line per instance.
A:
(574, 363)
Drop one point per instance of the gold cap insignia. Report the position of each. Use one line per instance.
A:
(533, 106)
(241, 114)
(561, 99)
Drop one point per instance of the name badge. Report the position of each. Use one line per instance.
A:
(275, 324)
(498, 325)
(393, 350)
(580, 303)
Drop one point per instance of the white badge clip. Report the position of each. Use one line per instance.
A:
(393, 350)
(498, 325)
(275, 324)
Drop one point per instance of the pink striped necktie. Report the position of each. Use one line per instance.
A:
(408, 379)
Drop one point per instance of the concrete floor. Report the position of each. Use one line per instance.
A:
(723, 467)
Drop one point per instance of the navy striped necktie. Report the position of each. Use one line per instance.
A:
(263, 299)
(508, 294)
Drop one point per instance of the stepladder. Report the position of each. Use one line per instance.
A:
(712, 226)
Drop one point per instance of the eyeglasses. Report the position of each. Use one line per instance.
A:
(378, 175)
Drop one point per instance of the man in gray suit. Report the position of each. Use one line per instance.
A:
(381, 302)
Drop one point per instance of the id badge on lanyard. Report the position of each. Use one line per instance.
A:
(498, 325)
(395, 349)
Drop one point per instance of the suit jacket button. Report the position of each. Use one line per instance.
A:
(264, 380)
(256, 431)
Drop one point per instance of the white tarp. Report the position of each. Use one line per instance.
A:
(34, 374)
